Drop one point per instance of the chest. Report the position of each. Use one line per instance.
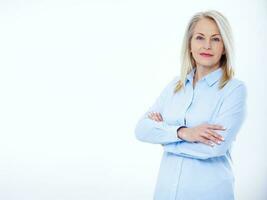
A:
(192, 106)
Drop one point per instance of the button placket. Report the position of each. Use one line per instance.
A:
(191, 101)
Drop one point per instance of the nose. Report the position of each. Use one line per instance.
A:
(207, 44)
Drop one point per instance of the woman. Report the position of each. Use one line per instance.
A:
(197, 116)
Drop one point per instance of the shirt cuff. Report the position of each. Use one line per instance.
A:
(178, 130)
(171, 131)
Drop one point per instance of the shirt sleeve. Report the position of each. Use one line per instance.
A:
(231, 116)
(147, 130)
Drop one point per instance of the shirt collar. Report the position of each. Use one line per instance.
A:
(210, 78)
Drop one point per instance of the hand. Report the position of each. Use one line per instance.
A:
(204, 133)
(155, 116)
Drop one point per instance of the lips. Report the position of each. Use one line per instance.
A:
(206, 54)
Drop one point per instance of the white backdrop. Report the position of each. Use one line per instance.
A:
(77, 75)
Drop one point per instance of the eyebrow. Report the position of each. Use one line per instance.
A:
(211, 36)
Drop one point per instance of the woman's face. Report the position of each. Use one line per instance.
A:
(206, 44)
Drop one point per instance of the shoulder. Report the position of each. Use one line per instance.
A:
(174, 81)
(235, 86)
(170, 85)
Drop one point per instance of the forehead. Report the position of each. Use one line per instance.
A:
(206, 27)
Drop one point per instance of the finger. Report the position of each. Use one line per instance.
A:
(214, 134)
(216, 127)
(159, 117)
(154, 116)
(206, 141)
(149, 115)
(211, 138)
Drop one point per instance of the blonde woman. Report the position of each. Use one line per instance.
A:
(197, 116)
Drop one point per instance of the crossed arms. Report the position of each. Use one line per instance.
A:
(231, 116)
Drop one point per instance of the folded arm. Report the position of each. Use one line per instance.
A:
(148, 130)
(231, 116)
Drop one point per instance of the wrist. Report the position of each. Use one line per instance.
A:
(180, 132)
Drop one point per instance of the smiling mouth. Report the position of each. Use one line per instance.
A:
(206, 55)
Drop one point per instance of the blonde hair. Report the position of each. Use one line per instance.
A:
(226, 61)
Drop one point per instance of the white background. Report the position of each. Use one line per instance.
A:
(77, 75)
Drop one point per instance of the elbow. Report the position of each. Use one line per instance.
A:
(139, 133)
(143, 132)
(212, 152)
(210, 155)
(218, 151)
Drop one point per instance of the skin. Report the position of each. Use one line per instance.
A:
(206, 39)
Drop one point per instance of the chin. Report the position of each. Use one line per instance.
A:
(205, 64)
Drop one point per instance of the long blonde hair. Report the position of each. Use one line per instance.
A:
(226, 62)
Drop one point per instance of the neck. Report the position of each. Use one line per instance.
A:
(202, 71)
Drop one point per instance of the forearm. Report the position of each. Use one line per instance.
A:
(199, 150)
(151, 131)
(231, 116)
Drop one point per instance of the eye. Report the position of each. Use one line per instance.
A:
(199, 38)
(216, 39)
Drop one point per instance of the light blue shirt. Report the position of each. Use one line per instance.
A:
(195, 171)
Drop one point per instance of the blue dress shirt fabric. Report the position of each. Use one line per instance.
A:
(193, 170)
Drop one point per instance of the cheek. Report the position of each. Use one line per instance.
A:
(195, 47)
(219, 48)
